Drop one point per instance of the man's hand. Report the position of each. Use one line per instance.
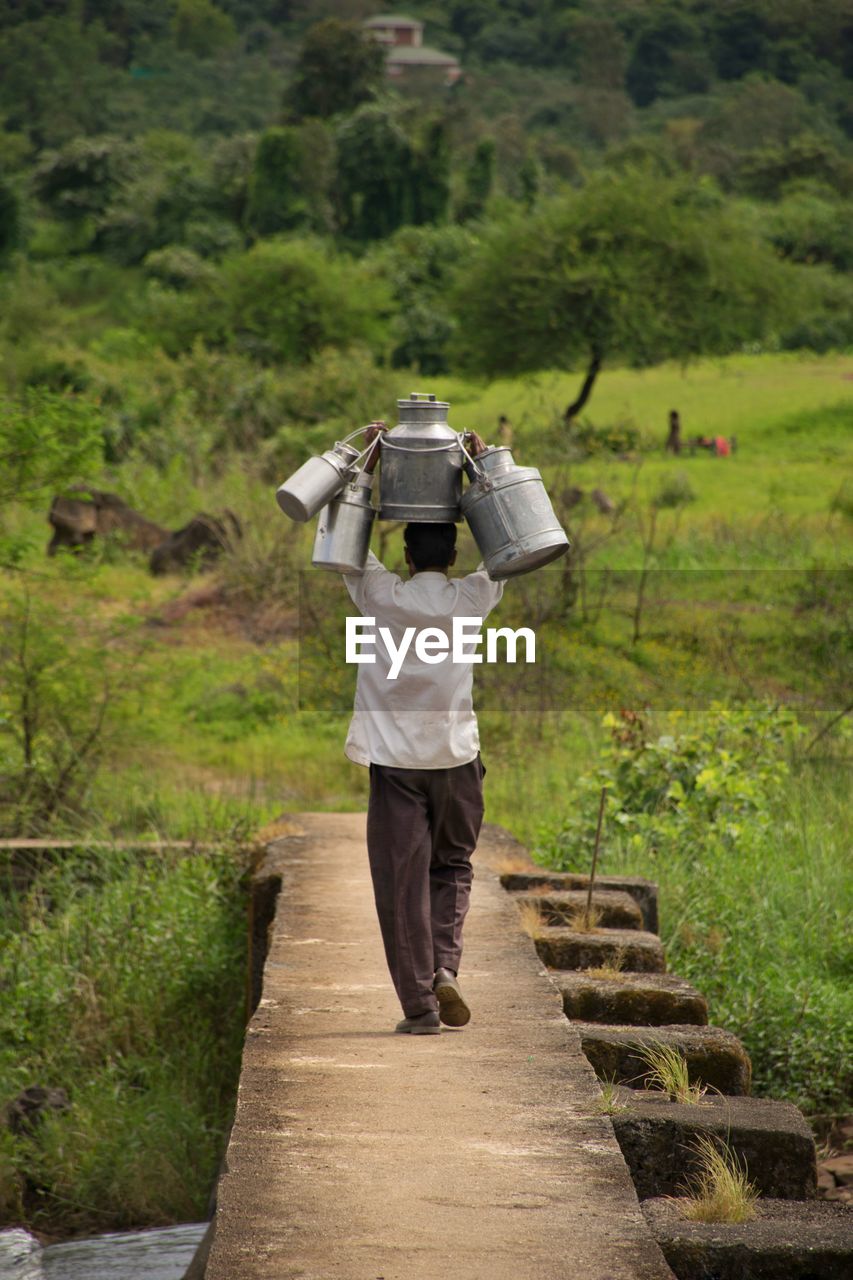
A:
(371, 433)
(475, 444)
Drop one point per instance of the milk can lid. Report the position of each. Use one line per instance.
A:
(422, 399)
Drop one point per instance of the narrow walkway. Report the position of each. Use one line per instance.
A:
(360, 1155)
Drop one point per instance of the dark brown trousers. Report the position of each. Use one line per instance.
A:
(422, 827)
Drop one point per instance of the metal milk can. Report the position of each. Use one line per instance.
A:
(343, 529)
(510, 515)
(316, 482)
(420, 464)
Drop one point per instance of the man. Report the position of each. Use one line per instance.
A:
(418, 735)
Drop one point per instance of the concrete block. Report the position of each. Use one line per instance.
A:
(787, 1240)
(624, 948)
(657, 1137)
(631, 999)
(616, 910)
(714, 1057)
(644, 892)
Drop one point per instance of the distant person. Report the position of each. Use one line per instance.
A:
(505, 431)
(673, 440)
(721, 447)
(418, 735)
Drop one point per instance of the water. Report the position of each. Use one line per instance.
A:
(162, 1253)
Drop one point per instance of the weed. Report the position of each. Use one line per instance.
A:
(720, 1191)
(609, 1104)
(531, 920)
(614, 967)
(668, 1072)
(583, 921)
(514, 865)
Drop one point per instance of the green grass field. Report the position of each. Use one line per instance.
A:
(212, 732)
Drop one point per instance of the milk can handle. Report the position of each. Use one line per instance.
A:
(438, 448)
(478, 470)
(365, 455)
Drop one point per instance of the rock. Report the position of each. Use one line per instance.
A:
(20, 1255)
(633, 999)
(617, 910)
(76, 520)
(787, 1240)
(657, 1138)
(644, 892)
(203, 540)
(841, 1168)
(24, 1112)
(714, 1057)
(624, 948)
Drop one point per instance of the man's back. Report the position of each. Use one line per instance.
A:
(423, 717)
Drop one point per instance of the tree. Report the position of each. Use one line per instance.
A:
(479, 179)
(46, 440)
(290, 179)
(10, 220)
(83, 176)
(55, 78)
(275, 203)
(375, 172)
(633, 267)
(282, 301)
(200, 28)
(339, 67)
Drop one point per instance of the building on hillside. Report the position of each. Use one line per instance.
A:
(405, 51)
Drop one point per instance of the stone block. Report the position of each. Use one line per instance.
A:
(644, 892)
(657, 1137)
(615, 909)
(714, 1057)
(787, 1240)
(631, 999)
(624, 948)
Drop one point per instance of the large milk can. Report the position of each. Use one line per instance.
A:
(510, 515)
(316, 482)
(421, 464)
(343, 530)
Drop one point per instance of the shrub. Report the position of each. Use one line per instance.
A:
(283, 300)
(748, 852)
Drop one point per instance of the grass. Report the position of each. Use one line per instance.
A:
(720, 1190)
(531, 920)
(215, 738)
(124, 983)
(609, 1104)
(611, 971)
(583, 921)
(668, 1072)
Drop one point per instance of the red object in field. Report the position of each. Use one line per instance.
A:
(721, 447)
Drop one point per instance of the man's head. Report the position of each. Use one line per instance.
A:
(430, 546)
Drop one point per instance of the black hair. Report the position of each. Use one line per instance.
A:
(431, 546)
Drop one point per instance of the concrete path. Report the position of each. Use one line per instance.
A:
(357, 1154)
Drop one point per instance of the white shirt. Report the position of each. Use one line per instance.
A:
(425, 718)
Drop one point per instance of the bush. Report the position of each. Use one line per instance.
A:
(60, 682)
(747, 852)
(283, 300)
(122, 975)
(586, 439)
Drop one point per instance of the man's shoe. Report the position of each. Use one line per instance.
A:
(452, 1008)
(425, 1024)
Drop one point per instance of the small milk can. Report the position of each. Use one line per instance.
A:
(316, 482)
(343, 530)
(510, 515)
(421, 464)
